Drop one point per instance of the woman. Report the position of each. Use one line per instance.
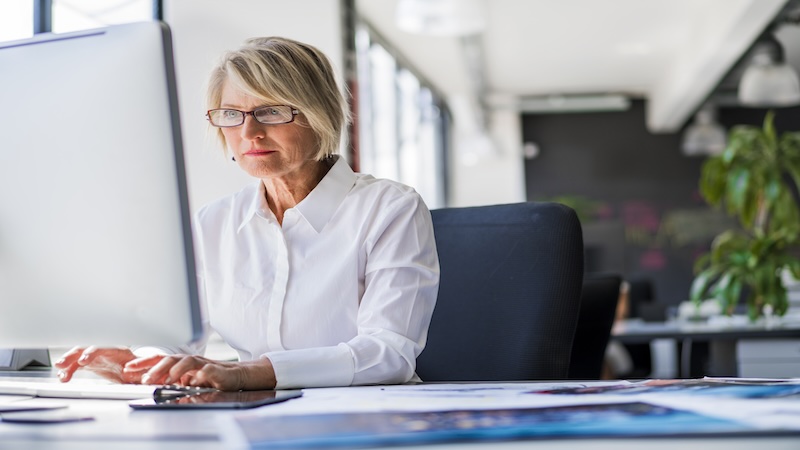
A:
(316, 275)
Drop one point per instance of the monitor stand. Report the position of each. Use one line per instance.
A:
(19, 359)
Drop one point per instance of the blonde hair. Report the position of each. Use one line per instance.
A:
(282, 71)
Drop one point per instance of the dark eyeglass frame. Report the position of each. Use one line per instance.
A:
(294, 112)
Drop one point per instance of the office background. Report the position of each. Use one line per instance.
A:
(637, 192)
(634, 188)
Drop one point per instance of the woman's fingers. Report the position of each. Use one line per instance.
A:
(142, 364)
(106, 362)
(162, 372)
(66, 372)
(88, 355)
(69, 358)
(191, 370)
(68, 363)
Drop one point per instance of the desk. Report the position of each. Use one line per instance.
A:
(119, 427)
(722, 338)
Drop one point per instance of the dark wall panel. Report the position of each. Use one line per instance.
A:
(635, 191)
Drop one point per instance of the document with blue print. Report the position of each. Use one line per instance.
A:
(432, 413)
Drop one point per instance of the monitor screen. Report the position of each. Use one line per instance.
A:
(95, 238)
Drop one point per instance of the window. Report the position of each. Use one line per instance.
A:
(16, 20)
(72, 15)
(402, 121)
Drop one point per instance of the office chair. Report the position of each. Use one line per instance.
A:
(598, 309)
(508, 295)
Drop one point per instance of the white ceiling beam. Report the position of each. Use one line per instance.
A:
(699, 68)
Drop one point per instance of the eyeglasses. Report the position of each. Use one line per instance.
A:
(268, 115)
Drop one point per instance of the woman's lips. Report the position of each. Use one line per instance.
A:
(258, 152)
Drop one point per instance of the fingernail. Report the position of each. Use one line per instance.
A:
(168, 380)
(60, 361)
(61, 374)
(146, 379)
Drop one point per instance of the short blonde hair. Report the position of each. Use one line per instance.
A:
(282, 71)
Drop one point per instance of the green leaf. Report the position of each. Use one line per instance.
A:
(773, 187)
(785, 218)
(753, 309)
(737, 184)
(770, 135)
(794, 268)
(734, 294)
(713, 180)
(781, 300)
(700, 285)
(724, 245)
(741, 140)
(701, 262)
(739, 258)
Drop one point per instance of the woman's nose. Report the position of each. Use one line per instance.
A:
(251, 128)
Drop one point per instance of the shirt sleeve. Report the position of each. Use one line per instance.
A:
(400, 288)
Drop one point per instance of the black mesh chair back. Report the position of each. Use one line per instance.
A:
(598, 309)
(509, 293)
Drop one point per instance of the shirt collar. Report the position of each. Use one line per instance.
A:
(319, 205)
(258, 201)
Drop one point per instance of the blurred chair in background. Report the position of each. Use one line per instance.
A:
(599, 299)
(643, 305)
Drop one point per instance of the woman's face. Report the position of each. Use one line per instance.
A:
(268, 151)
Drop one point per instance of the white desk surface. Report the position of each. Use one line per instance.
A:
(117, 426)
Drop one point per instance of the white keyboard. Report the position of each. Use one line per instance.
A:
(96, 389)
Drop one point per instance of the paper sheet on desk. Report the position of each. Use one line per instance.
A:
(426, 397)
(763, 403)
(380, 415)
(745, 388)
(629, 419)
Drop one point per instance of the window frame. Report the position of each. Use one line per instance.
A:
(43, 14)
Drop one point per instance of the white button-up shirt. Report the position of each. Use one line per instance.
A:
(341, 293)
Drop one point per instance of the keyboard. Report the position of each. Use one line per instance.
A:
(88, 389)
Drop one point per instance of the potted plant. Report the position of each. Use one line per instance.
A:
(754, 178)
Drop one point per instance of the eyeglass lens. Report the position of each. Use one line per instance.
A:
(266, 115)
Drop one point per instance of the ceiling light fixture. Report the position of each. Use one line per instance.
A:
(705, 136)
(769, 81)
(573, 103)
(441, 17)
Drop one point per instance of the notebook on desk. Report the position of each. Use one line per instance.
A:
(85, 389)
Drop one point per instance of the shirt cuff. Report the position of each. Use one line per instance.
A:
(313, 367)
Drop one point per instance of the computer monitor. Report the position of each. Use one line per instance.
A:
(95, 238)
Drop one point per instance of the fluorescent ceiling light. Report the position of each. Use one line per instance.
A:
(573, 103)
(441, 17)
(705, 136)
(768, 81)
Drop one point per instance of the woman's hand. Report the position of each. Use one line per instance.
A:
(109, 363)
(192, 370)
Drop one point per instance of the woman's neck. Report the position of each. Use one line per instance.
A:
(285, 193)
